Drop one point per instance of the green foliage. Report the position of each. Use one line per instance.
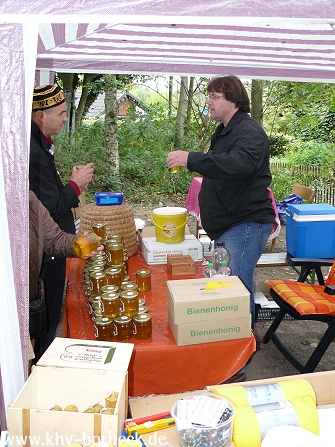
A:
(144, 142)
(278, 145)
(311, 153)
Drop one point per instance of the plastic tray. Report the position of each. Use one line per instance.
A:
(108, 198)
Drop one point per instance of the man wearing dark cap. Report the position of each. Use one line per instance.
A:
(48, 118)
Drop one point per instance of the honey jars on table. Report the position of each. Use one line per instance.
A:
(114, 252)
(103, 328)
(109, 288)
(110, 304)
(113, 276)
(129, 286)
(129, 303)
(142, 326)
(123, 327)
(98, 280)
(143, 279)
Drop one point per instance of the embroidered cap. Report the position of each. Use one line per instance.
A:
(47, 96)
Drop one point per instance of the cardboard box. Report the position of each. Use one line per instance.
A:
(72, 372)
(156, 252)
(151, 232)
(180, 265)
(188, 302)
(310, 231)
(208, 246)
(210, 331)
(322, 382)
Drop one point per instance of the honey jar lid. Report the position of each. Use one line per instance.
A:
(143, 272)
(110, 296)
(128, 294)
(142, 318)
(103, 321)
(122, 319)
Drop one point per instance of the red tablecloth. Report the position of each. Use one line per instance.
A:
(158, 365)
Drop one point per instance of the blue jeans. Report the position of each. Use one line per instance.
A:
(246, 243)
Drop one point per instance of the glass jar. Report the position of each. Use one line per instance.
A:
(115, 238)
(142, 326)
(129, 286)
(99, 263)
(99, 228)
(114, 252)
(142, 310)
(110, 304)
(121, 268)
(84, 245)
(143, 279)
(98, 280)
(95, 268)
(113, 276)
(123, 327)
(129, 303)
(109, 288)
(141, 302)
(103, 328)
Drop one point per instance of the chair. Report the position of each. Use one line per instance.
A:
(305, 193)
(304, 301)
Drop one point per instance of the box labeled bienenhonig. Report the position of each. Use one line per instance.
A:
(210, 331)
(72, 372)
(205, 299)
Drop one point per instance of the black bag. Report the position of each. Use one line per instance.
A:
(38, 320)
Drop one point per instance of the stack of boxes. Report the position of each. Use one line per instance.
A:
(208, 309)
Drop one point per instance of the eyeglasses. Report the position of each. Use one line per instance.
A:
(214, 97)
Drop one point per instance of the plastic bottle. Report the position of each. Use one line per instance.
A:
(210, 270)
(224, 269)
(220, 254)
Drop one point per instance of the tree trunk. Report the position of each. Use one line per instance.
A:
(189, 104)
(257, 101)
(170, 95)
(182, 107)
(111, 129)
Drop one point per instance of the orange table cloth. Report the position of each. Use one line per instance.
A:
(158, 365)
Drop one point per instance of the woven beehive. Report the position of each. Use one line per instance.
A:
(119, 219)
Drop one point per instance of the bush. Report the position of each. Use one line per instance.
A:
(144, 142)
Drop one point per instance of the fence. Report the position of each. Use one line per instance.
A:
(320, 178)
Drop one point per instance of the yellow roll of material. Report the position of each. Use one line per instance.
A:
(246, 429)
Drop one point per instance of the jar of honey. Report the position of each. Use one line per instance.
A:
(95, 268)
(129, 286)
(121, 268)
(98, 280)
(129, 303)
(143, 279)
(110, 304)
(84, 245)
(141, 302)
(142, 326)
(113, 276)
(115, 238)
(123, 327)
(103, 328)
(99, 228)
(109, 288)
(114, 252)
(143, 310)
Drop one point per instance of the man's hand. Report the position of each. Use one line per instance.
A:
(82, 175)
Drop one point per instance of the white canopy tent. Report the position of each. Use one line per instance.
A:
(275, 39)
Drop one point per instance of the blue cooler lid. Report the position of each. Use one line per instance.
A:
(311, 208)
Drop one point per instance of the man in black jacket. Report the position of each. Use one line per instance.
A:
(48, 118)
